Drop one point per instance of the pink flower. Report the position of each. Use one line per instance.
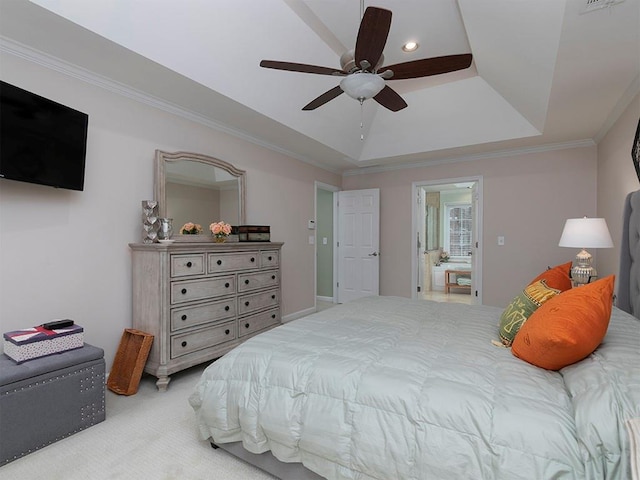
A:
(191, 228)
(220, 229)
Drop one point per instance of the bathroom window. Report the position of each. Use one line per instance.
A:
(457, 230)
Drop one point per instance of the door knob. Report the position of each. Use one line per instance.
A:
(374, 254)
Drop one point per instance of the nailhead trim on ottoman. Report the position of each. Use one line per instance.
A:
(47, 399)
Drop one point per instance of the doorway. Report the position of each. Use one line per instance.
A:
(325, 242)
(446, 251)
(346, 240)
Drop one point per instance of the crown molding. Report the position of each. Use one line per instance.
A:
(471, 158)
(51, 62)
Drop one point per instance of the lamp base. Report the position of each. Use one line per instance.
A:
(582, 272)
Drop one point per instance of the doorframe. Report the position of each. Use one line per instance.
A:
(335, 189)
(477, 225)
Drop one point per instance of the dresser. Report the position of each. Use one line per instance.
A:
(200, 300)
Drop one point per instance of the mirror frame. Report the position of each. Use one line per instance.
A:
(161, 177)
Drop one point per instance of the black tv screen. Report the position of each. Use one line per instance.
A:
(41, 141)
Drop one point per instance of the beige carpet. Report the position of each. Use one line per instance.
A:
(149, 435)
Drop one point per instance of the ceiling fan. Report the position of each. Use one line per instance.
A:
(364, 78)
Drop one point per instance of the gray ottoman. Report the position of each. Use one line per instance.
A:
(49, 398)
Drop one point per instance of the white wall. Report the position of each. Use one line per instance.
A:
(65, 254)
(616, 178)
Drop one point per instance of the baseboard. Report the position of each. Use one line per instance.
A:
(324, 299)
(300, 314)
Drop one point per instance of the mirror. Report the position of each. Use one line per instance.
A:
(191, 187)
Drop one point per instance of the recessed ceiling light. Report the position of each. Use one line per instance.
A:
(410, 47)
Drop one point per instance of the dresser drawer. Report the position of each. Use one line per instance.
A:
(270, 258)
(251, 281)
(187, 265)
(223, 262)
(258, 301)
(205, 338)
(253, 323)
(190, 316)
(189, 290)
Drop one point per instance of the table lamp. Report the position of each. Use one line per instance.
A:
(585, 233)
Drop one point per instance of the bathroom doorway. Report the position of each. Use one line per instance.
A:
(446, 251)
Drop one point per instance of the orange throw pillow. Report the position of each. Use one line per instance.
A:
(568, 327)
(557, 277)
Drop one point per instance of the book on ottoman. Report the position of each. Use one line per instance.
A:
(36, 342)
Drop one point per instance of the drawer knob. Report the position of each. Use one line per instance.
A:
(246, 282)
(270, 258)
(246, 325)
(184, 317)
(189, 264)
(184, 290)
(253, 259)
(273, 277)
(273, 297)
(273, 315)
(226, 285)
(184, 344)
(227, 331)
(219, 262)
(226, 308)
(246, 304)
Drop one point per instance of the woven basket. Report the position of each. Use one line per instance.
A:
(129, 362)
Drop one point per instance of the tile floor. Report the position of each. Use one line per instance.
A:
(447, 297)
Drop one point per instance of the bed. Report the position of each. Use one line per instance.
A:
(390, 388)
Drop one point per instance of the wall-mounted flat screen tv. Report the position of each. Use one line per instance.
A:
(41, 141)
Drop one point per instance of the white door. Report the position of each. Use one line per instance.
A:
(358, 244)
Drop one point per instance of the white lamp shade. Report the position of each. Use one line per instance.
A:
(586, 233)
(362, 86)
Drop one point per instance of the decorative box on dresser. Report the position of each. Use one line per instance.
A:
(200, 300)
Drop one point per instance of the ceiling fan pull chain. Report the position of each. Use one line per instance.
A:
(362, 120)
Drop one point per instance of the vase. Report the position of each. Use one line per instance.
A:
(149, 221)
(219, 239)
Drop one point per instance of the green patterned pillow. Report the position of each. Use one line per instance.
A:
(522, 307)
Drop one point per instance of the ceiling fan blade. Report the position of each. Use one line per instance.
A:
(324, 98)
(301, 67)
(372, 35)
(429, 66)
(390, 99)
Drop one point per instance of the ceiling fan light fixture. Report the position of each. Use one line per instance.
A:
(362, 86)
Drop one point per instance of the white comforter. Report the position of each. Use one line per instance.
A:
(389, 388)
